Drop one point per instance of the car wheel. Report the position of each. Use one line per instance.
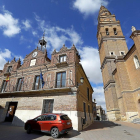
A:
(29, 129)
(55, 132)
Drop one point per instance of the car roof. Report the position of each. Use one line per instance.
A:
(54, 114)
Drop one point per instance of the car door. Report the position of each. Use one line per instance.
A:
(48, 122)
(37, 123)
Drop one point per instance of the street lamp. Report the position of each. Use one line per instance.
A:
(81, 82)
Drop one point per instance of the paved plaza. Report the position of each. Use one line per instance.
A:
(99, 130)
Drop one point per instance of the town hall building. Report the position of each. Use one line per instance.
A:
(42, 85)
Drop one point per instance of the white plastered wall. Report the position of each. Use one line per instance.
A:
(21, 116)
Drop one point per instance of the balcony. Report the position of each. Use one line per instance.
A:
(7, 74)
(61, 64)
(48, 88)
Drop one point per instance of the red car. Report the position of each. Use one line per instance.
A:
(55, 124)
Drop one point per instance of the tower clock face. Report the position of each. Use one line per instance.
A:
(34, 54)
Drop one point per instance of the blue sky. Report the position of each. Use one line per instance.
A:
(23, 22)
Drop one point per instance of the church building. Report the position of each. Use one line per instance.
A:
(42, 85)
(120, 68)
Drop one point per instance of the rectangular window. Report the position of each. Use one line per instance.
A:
(47, 106)
(9, 69)
(84, 107)
(89, 110)
(88, 93)
(61, 79)
(37, 84)
(62, 58)
(33, 62)
(20, 84)
(4, 85)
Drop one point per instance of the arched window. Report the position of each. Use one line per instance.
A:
(115, 31)
(136, 62)
(107, 32)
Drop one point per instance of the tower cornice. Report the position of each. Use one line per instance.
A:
(135, 33)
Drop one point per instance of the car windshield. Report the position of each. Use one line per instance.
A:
(64, 117)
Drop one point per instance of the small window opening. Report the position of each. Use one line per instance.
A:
(115, 31)
(9, 69)
(111, 53)
(122, 53)
(107, 32)
(136, 62)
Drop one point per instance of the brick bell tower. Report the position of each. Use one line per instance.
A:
(112, 44)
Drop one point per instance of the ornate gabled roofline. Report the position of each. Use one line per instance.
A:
(33, 51)
(64, 49)
(13, 61)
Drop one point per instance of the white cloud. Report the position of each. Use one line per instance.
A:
(3, 55)
(34, 33)
(89, 7)
(7, 54)
(8, 24)
(91, 64)
(29, 47)
(23, 39)
(57, 36)
(27, 24)
(99, 96)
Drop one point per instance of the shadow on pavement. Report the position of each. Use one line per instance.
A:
(70, 134)
(19, 132)
(101, 125)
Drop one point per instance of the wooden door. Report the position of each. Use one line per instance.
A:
(11, 111)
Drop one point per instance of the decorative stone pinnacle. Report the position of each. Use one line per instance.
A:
(133, 29)
(54, 51)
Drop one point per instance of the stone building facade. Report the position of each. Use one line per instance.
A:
(94, 110)
(120, 68)
(24, 97)
(100, 113)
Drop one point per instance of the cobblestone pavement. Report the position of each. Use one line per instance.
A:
(99, 130)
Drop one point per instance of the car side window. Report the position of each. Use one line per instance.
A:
(38, 118)
(50, 117)
(41, 118)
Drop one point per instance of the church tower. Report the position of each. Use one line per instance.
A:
(112, 44)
